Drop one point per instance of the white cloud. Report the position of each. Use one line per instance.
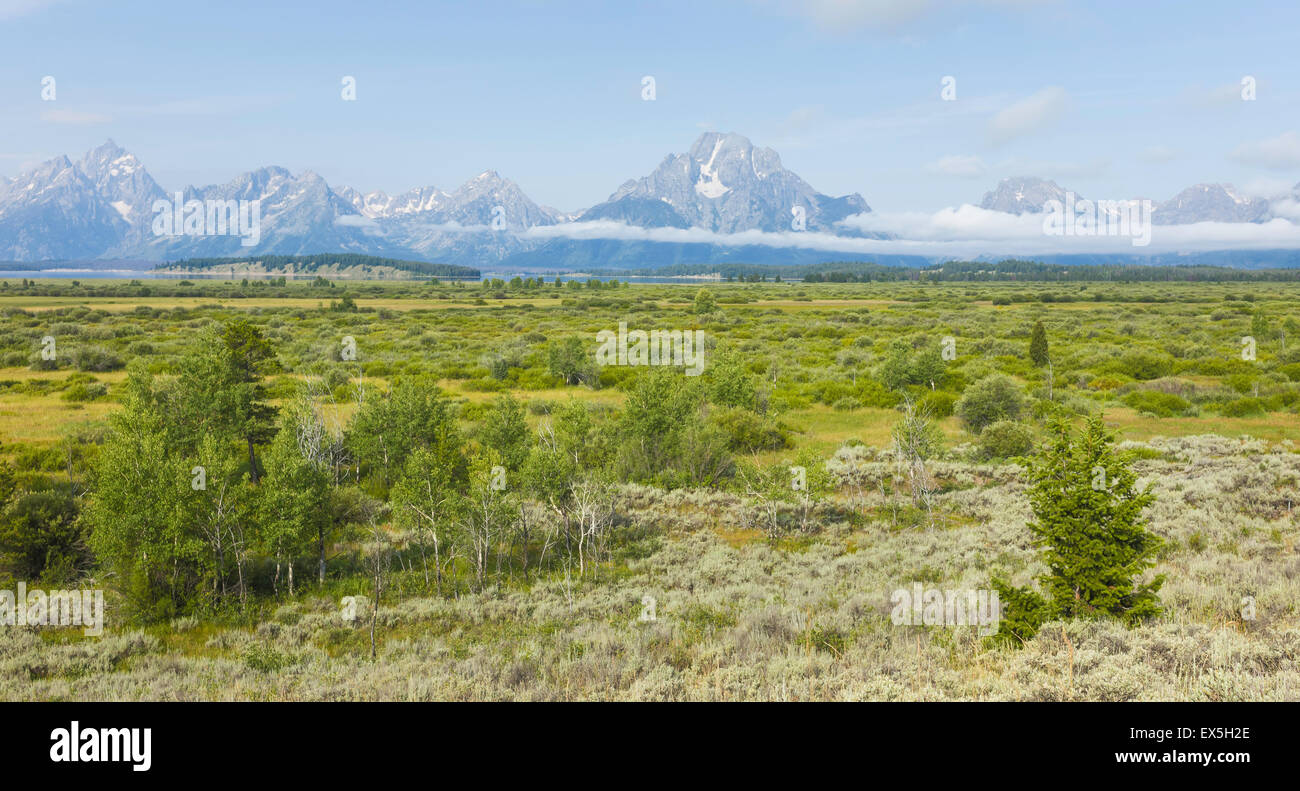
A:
(829, 130)
(1286, 207)
(803, 117)
(1215, 97)
(204, 105)
(839, 15)
(963, 223)
(74, 117)
(965, 167)
(970, 230)
(1027, 115)
(1222, 95)
(965, 231)
(1057, 170)
(1159, 153)
(1266, 187)
(365, 224)
(1275, 153)
(12, 9)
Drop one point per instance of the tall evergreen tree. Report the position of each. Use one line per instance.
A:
(1038, 345)
(250, 356)
(1088, 518)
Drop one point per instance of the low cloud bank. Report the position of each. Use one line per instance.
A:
(963, 231)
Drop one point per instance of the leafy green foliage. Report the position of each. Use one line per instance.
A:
(907, 366)
(570, 359)
(993, 398)
(1154, 402)
(704, 302)
(41, 537)
(389, 426)
(1005, 439)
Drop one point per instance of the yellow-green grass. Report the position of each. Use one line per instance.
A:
(126, 304)
(557, 394)
(824, 429)
(57, 375)
(1274, 427)
(811, 304)
(44, 419)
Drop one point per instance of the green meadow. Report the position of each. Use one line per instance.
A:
(424, 490)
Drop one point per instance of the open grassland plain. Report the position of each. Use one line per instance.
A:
(637, 552)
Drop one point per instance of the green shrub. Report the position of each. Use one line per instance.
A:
(81, 392)
(704, 302)
(541, 406)
(748, 432)
(1243, 407)
(29, 459)
(95, 358)
(993, 398)
(41, 537)
(1005, 439)
(1291, 371)
(39, 363)
(1142, 365)
(336, 377)
(1242, 383)
(1153, 402)
(265, 659)
(938, 403)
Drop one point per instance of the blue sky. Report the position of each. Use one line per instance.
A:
(1113, 99)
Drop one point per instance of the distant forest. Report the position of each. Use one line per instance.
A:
(311, 263)
(1007, 270)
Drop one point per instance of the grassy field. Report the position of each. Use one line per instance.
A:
(113, 305)
(740, 614)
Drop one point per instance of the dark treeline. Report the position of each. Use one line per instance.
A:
(1035, 271)
(1121, 273)
(311, 263)
(972, 271)
(226, 289)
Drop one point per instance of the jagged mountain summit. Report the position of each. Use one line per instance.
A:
(56, 211)
(122, 180)
(724, 184)
(1210, 203)
(1023, 195)
(379, 205)
(474, 203)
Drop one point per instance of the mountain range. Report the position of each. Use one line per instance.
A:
(1197, 203)
(103, 206)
